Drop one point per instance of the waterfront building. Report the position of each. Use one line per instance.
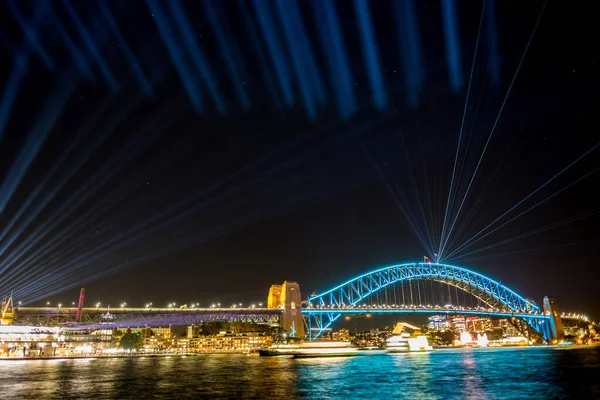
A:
(439, 323)
(475, 324)
(193, 331)
(459, 323)
(341, 335)
(224, 342)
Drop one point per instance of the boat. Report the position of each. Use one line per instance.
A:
(325, 348)
(315, 348)
(402, 341)
(278, 350)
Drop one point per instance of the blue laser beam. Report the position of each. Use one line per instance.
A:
(177, 56)
(369, 48)
(298, 58)
(492, 39)
(474, 239)
(84, 192)
(198, 56)
(40, 188)
(460, 134)
(332, 40)
(544, 228)
(412, 58)
(229, 51)
(258, 49)
(77, 55)
(497, 119)
(278, 56)
(313, 74)
(91, 46)
(31, 35)
(453, 54)
(137, 68)
(52, 111)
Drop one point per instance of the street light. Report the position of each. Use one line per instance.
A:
(123, 305)
(97, 305)
(59, 305)
(260, 304)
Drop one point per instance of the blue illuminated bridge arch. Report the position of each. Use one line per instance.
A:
(346, 299)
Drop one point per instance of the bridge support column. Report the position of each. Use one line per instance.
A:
(288, 297)
(7, 312)
(556, 328)
(80, 305)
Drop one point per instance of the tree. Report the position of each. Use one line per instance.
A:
(131, 341)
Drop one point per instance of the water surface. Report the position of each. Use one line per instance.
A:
(508, 373)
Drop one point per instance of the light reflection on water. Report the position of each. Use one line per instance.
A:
(515, 373)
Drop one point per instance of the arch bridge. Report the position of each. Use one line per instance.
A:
(425, 288)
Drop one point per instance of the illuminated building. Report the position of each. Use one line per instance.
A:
(154, 331)
(193, 331)
(459, 323)
(475, 324)
(439, 323)
(342, 334)
(224, 342)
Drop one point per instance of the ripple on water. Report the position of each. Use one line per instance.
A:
(513, 373)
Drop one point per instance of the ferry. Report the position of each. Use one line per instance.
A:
(278, 350)
(320, 348)
(403, 342)
(325, 348)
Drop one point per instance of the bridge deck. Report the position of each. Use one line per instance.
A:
(145, 316)
(429, 311)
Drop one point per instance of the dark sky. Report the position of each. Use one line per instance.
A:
(202, 151)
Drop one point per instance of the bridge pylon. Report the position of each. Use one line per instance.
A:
(288, 298)
(8, 315)
(556, 328)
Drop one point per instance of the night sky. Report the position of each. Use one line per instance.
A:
(201, 151)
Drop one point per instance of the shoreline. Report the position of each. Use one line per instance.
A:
(115, 356)
(442, 349)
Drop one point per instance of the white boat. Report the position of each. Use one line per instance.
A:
(279, 350)
(403, 342)
(398, 343)
(325, 348)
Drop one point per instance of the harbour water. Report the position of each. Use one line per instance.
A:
(486, 373)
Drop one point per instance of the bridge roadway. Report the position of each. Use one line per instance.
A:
(160, 316)
(135, 317)
(424, 310)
